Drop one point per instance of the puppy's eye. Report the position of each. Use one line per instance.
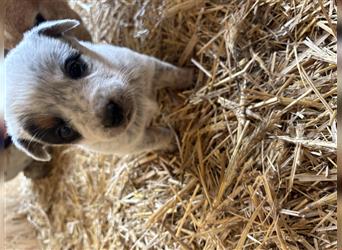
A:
(65, 132)
(75, 67)
(39, 19)
(51, 130)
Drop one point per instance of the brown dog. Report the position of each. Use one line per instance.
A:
(22, 15)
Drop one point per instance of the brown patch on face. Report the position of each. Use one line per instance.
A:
(50, 129)
(45, 122)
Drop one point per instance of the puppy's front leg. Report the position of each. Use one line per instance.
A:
(156, 138)
(168, 75)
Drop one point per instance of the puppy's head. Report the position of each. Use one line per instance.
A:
(21, 16)
(60, 91)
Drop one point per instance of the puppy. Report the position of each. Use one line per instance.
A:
(101, 97)
(22, 15)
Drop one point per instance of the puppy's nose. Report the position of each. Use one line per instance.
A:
(113, 115)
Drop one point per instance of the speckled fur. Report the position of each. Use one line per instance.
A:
(41, 87)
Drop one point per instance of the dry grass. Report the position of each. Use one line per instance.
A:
(256, 167)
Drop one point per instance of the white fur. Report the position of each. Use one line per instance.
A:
(36, 84)
(14, 161)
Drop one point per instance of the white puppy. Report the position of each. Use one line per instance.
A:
(21, 16)
(101, 97)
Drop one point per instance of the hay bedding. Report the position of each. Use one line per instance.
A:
(257, 135)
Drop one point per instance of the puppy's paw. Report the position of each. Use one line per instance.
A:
(38, 170)
(170, 144)
(171, 148)
(186, 79)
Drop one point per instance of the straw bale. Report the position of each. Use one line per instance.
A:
(256, 167)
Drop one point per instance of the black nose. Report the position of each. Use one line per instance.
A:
(113, 115)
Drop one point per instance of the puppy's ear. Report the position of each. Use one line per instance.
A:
(56, 28)
(33, 149)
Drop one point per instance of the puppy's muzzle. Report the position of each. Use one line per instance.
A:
(116, 115)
